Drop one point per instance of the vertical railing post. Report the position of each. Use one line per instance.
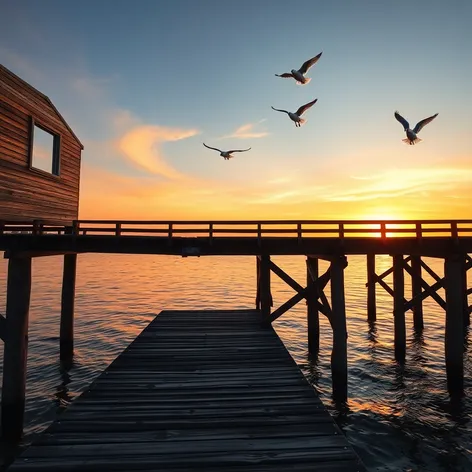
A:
(383, 230)
(399, 308)
(371, 286)
(313, 317)
(67, 307)
(16, 347)
(338, 324)
(210, 232)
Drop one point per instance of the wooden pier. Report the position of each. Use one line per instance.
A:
(408, 243)
(196, 390)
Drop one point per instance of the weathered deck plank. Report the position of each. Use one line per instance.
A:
(203, 390)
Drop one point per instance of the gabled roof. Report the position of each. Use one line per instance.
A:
(44, 97)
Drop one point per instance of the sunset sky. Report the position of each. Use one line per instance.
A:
(144, 83)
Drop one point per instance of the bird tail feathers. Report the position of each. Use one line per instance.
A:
(415, 141)
(307, 81)
(302, 120)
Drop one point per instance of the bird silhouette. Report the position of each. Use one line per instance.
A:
(411, 134)
(226, 154)
(299, 75)
(296, 117)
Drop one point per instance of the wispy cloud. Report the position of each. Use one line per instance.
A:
(405, 182)
(142, 146)
(247, 131)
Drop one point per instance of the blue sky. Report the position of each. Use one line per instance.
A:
(144, 83)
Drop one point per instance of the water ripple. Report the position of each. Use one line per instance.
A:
(397, 418)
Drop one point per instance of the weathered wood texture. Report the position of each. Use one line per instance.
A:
(371, 286)
(26, 193)
(67, 307)
(313, 316)
(16, 347)
(196, 390)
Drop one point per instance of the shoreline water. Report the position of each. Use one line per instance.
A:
(397, 418)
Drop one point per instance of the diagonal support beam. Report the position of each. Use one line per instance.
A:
(313, 288)
(285, 277)
(388, 289)
(429, 290)
(430, 271)
(377, 278)
(425, 294)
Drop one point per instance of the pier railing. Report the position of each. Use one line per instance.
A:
(255, 228)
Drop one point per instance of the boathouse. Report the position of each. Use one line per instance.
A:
(39, 156)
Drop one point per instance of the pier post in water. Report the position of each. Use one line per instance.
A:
(465, 295)
(67, 307)
(371, 300)
(399, 308)
(16, 347)
(258, 284)
(454, 338)
(338, 324)
(416, 292)
(264, 286)
(313, 317)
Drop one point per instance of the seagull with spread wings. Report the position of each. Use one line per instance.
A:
(296, 117)
(411, 134)
(299, 75)
(226, 154)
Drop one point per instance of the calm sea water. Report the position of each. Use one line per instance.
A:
(397, 418)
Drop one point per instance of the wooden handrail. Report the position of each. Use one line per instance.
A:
(254, 228)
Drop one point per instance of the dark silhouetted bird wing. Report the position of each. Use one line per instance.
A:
(214, 149)
(276, 109)
(402, 120)
(421, 124)
(306, 65)
(305, 107)
(239, 150)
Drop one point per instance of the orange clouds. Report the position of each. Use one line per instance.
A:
(247, 131)
(141, 146)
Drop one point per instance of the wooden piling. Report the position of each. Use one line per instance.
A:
(454, 338)
(67, 307)
(258, 290)
(399, 308)
(338, 324)
(416, 292)
(465, 301)
(313, 318)
(16, 347)
(371, 298)
(264, 286)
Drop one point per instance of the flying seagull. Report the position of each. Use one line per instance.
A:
(411, 134)
(226, 154)
(295, 117)
(299, 75)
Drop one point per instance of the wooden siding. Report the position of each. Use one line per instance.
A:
(27, 193)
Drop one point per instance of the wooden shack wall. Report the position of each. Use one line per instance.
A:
(26, 193)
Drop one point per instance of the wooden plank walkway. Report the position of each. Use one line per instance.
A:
(196, 390)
